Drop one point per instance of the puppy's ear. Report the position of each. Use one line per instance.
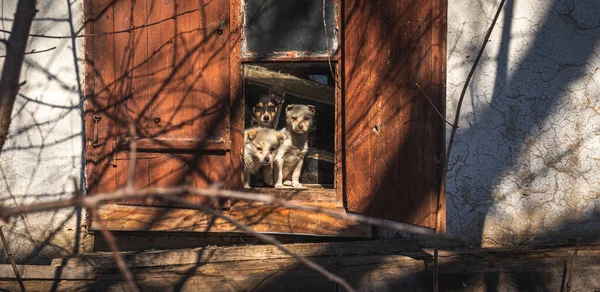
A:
(280, 137)
(289, 107)
(252, 133)
(312, 109)
(277, 98)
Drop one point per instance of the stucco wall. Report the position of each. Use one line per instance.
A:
(43, 154)
(526, 163)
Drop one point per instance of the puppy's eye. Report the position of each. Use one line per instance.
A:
(272, 149)
(271, 108)
(259, 148)
(294, 119)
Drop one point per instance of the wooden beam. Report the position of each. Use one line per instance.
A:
(261, 218)
(297, 86)
(216, 254)
(369, 266)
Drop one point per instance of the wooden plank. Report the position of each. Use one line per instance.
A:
(137, 105)
(261, 218)
(358, 100)
(311, 193)
(123, 58)
(100, 97)
(36, 272)
(438, 87)
(235, 93)
(297, 86)
(178, 144)
(463, 270)
(392, 132)
(215, 254)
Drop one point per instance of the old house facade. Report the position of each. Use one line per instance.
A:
(524, 168)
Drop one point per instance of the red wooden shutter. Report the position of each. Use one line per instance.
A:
(393, 138)
(164, 67)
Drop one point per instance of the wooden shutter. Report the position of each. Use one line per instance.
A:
(163, 66)
(393, 139)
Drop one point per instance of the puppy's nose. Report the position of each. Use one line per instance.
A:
(266, 118)
(301, 126)
(267, 159)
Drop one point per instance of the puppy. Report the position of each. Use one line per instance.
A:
(290, 156)
(264, 111)
(260, 147)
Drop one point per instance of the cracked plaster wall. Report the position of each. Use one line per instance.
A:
(526, 162)
(44, 151)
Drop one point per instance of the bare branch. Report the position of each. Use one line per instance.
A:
(434, 107)
(132, 161)
(442, 193)
(34, 51)
(129, 30)
(265, 238)
(125, 194)
(12, 260)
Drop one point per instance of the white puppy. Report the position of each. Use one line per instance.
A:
(260, 147)
(290, 156)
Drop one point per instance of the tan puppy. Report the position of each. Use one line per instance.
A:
(260, 147)
(290, 156)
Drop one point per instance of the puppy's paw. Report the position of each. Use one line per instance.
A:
(297, 185)
(246, 186)
(287, 183)
(279, 185)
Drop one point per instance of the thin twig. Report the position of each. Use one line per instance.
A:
(132, 161)
(125, 194)
(572, 264)
(34, 51)
(441, 194)
(12, 260)
(434, 107)
(110, 240)
(129, 30)
(333, 75)
(265, 238)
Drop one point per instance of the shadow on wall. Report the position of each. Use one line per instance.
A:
(42, 159)
(520, 168)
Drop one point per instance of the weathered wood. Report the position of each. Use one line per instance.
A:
(179, 144)
(311, 193)
(392, 134)
(297, 86)
(261, 218)
(525, 269)
(31, 272)
(213, 254)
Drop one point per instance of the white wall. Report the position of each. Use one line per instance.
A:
(44, 152)
(526, 163)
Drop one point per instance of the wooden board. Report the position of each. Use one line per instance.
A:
(300, 87)
(219, 254)
(393, 139)
(261, 218)
(367, 266)
(164, 69)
